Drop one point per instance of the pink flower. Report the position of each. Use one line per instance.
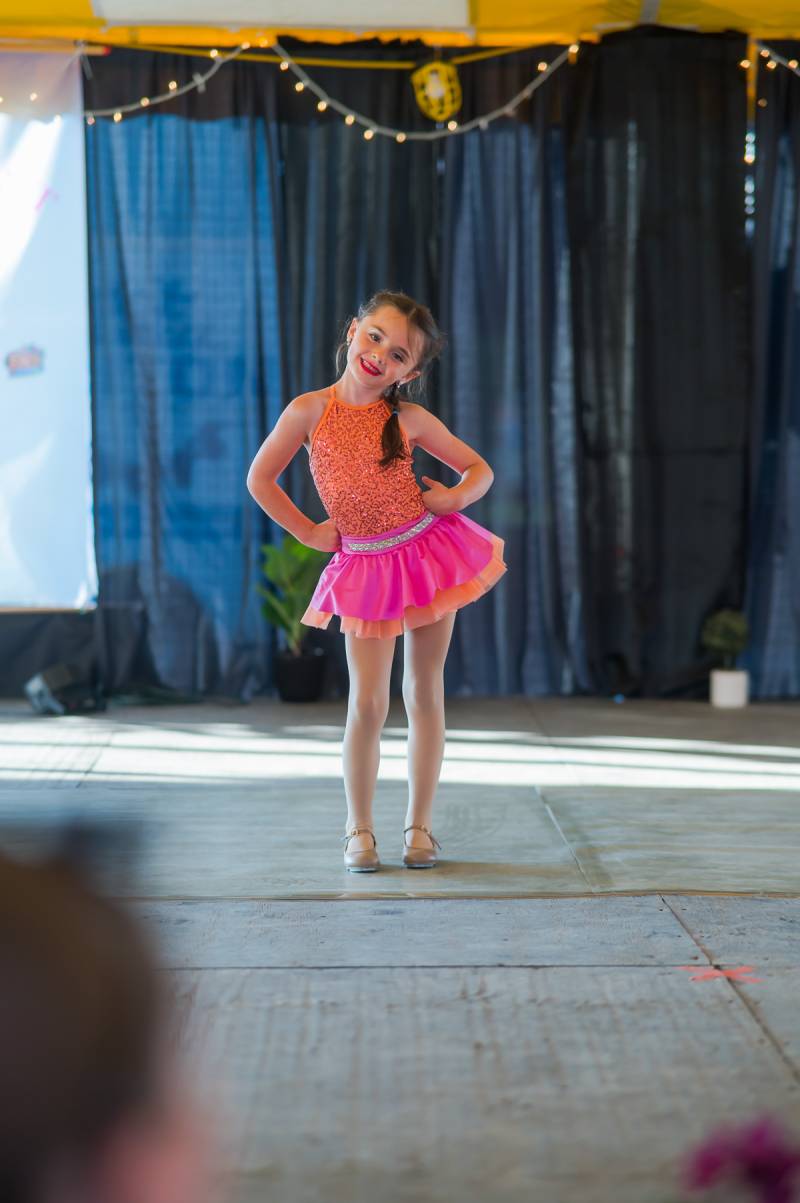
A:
(758, 1155)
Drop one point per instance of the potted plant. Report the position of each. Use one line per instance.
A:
(292, 571)
(725, 635)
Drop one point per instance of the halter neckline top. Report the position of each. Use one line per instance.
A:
(349, 404)
(359, 495)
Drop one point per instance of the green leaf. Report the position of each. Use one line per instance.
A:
(292, 570)
(726, 634)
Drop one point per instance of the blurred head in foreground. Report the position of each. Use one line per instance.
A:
(91, 1108)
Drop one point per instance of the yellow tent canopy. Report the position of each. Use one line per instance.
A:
(38, 24)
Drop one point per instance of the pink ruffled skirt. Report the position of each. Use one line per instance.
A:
(407, 577)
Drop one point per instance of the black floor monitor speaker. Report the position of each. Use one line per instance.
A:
(64, 689)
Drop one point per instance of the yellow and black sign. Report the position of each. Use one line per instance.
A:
(437, 89)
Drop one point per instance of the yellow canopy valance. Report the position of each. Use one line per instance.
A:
(209, 23)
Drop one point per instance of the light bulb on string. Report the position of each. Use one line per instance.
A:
(90, 120)
(213, 53)
(764, 53)
(771, 65)
(400, 137)
(144, 102)
(118, 117)
(322, 105)
(369, 133)
(793, 64)
(284, 65)
(451, 125)
(542, 66)
(349, 119)
(298, 87)
(172, 85)
(744, 64)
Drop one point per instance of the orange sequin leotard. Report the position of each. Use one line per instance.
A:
(359, 495)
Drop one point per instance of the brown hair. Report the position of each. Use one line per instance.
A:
(433, 342)
(81, 1012)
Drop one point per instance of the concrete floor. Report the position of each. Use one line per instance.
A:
(529, 1020)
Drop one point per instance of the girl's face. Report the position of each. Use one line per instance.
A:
(383, 349)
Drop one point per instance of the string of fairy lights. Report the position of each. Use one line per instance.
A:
(772, 61)
(303, 82)
(370, 128)
(174, 89)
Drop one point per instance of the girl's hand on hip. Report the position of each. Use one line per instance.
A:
(324, 536)
(438, 499)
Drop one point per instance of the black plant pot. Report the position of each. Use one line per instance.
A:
(300, 678)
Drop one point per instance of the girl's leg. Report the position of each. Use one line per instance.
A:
(423, 693)
(369, 662)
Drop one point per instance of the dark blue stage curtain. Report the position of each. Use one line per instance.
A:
(231, 236)
(655, 145)
(509, 392)
(773, 587)
(187, 373)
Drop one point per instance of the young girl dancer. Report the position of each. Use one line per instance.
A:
(405, 559)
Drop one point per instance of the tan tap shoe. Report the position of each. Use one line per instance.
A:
(420, 858)
(364, 861)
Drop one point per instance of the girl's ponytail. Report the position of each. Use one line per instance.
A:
(392, 437)
(390, 396)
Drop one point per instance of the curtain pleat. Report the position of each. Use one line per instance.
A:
(773, 579)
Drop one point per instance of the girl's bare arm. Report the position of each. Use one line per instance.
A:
(278, 449)
(431, 433)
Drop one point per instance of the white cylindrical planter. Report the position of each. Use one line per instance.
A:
(730, 687)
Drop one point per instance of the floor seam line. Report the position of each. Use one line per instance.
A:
(567, 844)
(763, 1027)
(402, 965)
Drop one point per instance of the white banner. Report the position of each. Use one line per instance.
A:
(46, 522)
(295, 14)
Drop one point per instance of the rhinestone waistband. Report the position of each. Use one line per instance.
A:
(367, 545)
